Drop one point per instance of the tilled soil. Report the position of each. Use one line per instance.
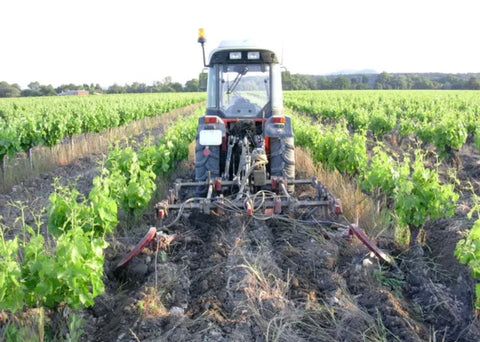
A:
(233, 278)
(237, 279)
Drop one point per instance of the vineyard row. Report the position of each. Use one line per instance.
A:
(66, 264)
(28, 122)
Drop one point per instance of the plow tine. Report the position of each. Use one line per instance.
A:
(355, 230)
(160, 240)
(152, 232)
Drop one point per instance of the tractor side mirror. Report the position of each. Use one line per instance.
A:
(203, 79)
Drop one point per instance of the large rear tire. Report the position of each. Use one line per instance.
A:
(282, 159)
(205, 163)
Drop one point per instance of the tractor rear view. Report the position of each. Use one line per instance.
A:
(244, 148)
(244, 139)
(245, 151)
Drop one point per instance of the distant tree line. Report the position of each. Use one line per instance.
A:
(37, 89)
(290, 81)
(165, 86)
(383, 80)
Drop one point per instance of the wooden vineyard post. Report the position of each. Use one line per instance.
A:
(72, 150)
(30, 157)
(4, 162)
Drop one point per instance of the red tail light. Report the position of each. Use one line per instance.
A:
(211, 119)
(278, 119)
(338, 208)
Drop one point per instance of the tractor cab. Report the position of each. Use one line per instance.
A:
(244, 81)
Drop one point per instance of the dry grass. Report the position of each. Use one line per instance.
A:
(150, 304)
(282, 316)
(357, 207)
(267, 299)
(25, 326)
(281, 319)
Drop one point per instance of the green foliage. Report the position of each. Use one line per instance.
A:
(447, 134)
(477, 137)
(9, 143)
(37, 273)
(422, 196)
(467, 252)
(441, 118)
(68, 209)
(451, 133)
(333, 146)
(75, 330)
(9, 90)
(16, 333)
(28, 122)
(104, 207)
(132, 173)
(69, 272)
(70, 269)
(80, 267)
(416, 191)
(133, 182)
(383, 81)
(175, 142)
(12, 291)
(406, 126)
(358, 118)
(160, 157)
(381, 123)
(384, 172)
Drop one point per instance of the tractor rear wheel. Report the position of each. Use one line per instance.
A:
(282, 159)
(205, 162)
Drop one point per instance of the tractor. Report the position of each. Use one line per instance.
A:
(244, 146)
(244, 137)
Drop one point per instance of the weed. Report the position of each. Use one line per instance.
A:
(27, 326)
(379, 332)
(392, 281)
(75, 330)
(150, 305)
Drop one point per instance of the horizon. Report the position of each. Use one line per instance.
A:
(339, 73)
(108, 42)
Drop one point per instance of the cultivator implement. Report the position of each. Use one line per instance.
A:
(274, 201)
(320, 207)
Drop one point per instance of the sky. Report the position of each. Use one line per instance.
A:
(104, 41)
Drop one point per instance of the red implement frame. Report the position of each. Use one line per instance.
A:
(152, 232)
(355, 230)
